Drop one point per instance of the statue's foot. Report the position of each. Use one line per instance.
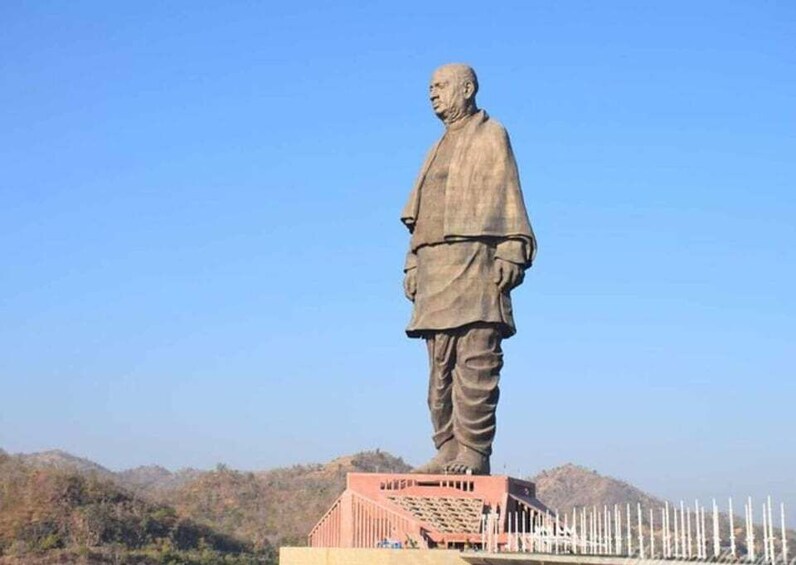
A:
(445, 454)
(468, 462)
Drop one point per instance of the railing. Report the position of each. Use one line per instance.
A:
(372, 526)
(673, 532)
(327, 532)
(375, 526)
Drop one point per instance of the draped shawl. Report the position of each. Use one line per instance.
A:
(483, 197)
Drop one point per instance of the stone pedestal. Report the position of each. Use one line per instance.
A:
(387, 510)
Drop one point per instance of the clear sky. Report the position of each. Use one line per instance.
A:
(201, 251)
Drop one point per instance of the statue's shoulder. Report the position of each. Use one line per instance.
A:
(491, 128)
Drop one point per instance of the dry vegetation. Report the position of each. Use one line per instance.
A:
(571, 486)
(51, 514)
(57, 508)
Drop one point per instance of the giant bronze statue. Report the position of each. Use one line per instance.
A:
(470, 245)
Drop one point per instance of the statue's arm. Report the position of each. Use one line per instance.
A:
(410, 275)
(512, 250)
(510, 260)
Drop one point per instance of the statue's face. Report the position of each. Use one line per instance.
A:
(448, 95)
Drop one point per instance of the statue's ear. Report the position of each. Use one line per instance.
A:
(469, 89)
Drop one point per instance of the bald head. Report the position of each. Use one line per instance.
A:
(452, 92)
(461, 73)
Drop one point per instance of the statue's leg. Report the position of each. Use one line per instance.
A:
(479, 359)
(441, 358)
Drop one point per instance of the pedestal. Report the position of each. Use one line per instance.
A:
(387, 510)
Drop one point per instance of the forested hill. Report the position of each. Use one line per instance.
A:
(54, 514)
(55, 503)
(58, 508)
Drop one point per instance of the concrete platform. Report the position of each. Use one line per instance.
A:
(361, 556)
(417, 511)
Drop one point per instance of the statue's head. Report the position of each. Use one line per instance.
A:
(452, 92)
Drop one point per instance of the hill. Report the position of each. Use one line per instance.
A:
(57, 459)
(223, 511)
(154, 479)
(571, 486)
(278, 506)
(56, 514)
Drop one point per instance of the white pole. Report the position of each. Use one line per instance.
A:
(609, 530)
(746, 525)
(667, 548)
(704, 534)
(676, 534)
(557, 530)
(587, 531)
(770, 530)
(732, 531)
(750, 549)
(573, 534)
(599, 531)
(663, 532)
(545, 533)
(640, 532)
(697, 537)
(697, 530)
(682, 529)
(629, 533)
(716, 533)
(765, 534)
(534, 530)
(618, 521)
(652, 534)
(612, 529)
(784, 532)
(688, 531)
(584, 533)
(750, 530)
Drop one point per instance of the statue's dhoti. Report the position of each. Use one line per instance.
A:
(463, 388)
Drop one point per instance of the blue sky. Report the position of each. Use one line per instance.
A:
(202, 253)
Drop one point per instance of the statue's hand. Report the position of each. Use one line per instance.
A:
(410, 284)
(507, 274)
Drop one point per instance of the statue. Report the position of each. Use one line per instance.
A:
(471, 242)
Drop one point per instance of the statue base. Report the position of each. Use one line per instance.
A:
(401, 511)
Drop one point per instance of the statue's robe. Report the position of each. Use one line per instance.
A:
(470, 180)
